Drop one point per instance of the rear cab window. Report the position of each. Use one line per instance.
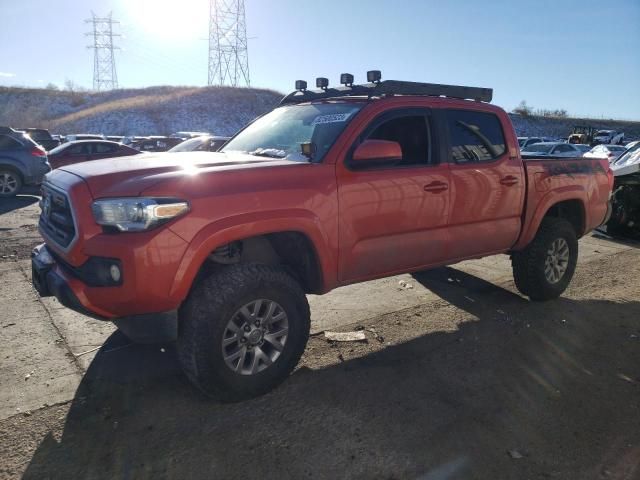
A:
(474, 136)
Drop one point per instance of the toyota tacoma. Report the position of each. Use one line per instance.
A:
(333, 187)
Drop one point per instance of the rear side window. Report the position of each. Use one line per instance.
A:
(475, 136)
(8, 143)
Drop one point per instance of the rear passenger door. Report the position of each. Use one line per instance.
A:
(487, 185)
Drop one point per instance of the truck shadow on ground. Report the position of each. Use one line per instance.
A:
(555, 382)
(14, 203)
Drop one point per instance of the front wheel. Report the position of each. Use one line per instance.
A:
(544, 269)
(242, 331)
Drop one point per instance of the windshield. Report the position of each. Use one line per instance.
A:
(287, 131)
(189, 145)
(521, 141)
(615, 148)
(540, 148)
(629, 157)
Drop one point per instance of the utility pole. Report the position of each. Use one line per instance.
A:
(104, 62)
(228, 56)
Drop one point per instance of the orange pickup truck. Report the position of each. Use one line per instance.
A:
(335, 186)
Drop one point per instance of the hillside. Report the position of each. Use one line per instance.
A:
(220, 110)
(148, 111)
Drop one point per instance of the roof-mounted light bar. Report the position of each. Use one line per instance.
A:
(378, 88)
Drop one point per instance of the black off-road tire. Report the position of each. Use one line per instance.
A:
(529, 264)
(204, 318)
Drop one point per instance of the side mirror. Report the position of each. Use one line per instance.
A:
(377, 152)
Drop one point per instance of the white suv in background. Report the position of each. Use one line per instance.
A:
(609, 137)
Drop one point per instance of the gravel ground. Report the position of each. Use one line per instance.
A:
(474, 383)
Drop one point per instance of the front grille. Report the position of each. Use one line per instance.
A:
(56, 217)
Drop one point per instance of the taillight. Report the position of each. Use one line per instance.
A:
(38, 152)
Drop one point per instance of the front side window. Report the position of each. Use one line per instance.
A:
(411, 132)
(297, 132)
(80, 149)
(475, 136)
(102, 148)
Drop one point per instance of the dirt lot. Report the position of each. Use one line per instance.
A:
(460, 378)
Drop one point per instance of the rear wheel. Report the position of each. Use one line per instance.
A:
(10, 182)
(242, 331)
(544, 269)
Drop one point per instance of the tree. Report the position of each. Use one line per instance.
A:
(523, 109)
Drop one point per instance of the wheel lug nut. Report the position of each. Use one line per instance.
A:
(243, 340)
(247, 328)
(257, 323)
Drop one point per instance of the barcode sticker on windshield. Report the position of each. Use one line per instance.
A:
(333, 118)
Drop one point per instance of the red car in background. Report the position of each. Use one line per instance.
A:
(84, 150)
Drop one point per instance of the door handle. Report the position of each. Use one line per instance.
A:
(436, 187)
(509, 180)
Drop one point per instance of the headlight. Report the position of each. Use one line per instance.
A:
(137, 214)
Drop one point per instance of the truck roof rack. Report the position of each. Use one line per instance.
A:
(384, 88)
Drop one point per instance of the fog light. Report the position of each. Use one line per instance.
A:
(114, 270)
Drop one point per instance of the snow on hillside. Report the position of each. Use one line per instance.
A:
(149, 111)
(220, 110)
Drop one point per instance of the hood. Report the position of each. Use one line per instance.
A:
(130, 176)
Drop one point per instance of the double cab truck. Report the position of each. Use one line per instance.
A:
(333, 187)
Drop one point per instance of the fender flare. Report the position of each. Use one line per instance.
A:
(249, 225)
(545, 204)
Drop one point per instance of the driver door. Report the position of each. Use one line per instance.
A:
(393, 218)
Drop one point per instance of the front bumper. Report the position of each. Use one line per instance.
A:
(49, 279)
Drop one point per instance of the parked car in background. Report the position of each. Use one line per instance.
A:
(625, 201)
(204, 143)
(156, 144)
(187, 135)
(84, 136)
(22, 162)
(610, 152)
(42, 137)
(115, 138)
(85, 150)
(583, 148)
(608, 137)
(632, 144)
(552, 149)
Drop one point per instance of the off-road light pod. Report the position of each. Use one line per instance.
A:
(138, 213)
(346, 79)
(301, 85)
(322, 83)
(374, 76)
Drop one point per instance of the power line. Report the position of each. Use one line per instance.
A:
(228, 55)
(104, 62)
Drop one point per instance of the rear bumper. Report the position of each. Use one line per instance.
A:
(37, 174)
(49, 279)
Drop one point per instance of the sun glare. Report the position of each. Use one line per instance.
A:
(170, 19)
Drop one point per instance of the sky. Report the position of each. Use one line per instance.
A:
(581, 56)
